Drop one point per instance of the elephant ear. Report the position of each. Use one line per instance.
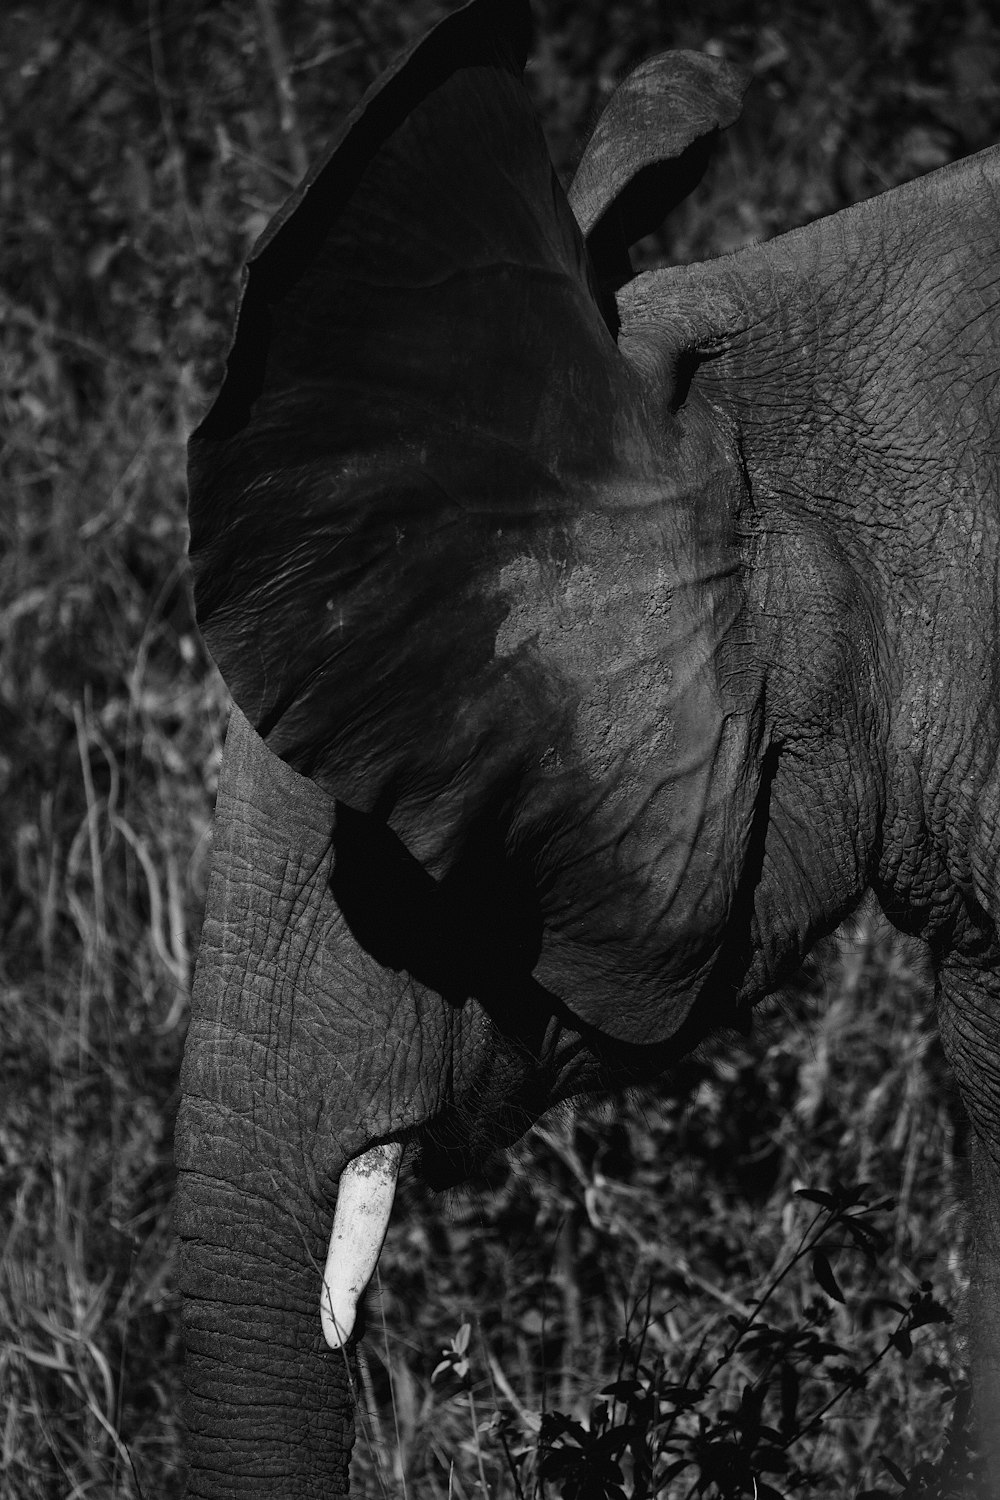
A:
(420, 386)
(651, 147)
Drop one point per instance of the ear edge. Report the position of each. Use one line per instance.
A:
(646, 200)
(498, 31)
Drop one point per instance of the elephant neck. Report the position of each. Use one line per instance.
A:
(854, 360)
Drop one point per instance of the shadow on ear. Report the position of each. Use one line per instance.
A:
(421, 385)
(476, 932)
(650, 149)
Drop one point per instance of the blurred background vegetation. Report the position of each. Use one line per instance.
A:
(143, 145)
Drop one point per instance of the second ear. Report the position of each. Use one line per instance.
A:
(649, 150)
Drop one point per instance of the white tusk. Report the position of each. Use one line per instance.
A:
(364, 1203)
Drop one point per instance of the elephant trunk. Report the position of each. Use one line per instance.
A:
(269, 1406)
(271, 1113)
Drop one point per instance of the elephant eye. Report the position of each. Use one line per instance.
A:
(687, 363)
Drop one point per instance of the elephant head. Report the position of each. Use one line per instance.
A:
(586, 637)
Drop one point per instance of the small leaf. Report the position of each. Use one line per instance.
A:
(871, 1241)
(622, 1390)
(771, 1436)
(556, 1427)
(813, 1195)
(901, 1340)
(893, 1469)
(928, 1310)
(789, 1398)
(461, 1341)
(823, 1272)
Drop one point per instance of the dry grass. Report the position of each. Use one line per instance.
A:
(108, 781)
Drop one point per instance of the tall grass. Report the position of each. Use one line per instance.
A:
(142, 146)
(110, 754)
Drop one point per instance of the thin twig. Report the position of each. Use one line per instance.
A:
(392, 1384)
(297, 155)
(174, 150)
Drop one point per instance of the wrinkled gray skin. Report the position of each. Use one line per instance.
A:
(535, 782)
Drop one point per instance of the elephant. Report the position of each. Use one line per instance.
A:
(598, 641)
